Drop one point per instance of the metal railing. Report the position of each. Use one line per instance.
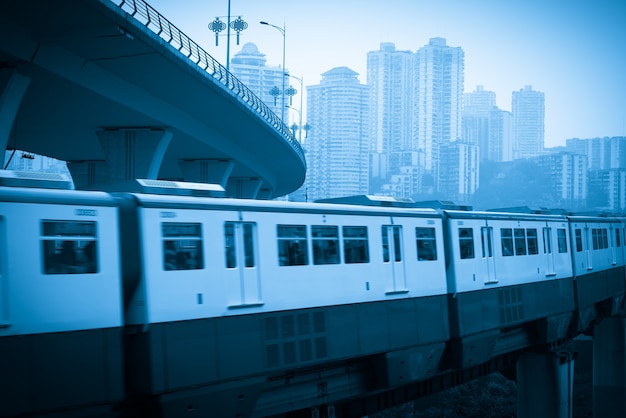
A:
(164, 29)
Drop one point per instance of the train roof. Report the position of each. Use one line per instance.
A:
(192, 202)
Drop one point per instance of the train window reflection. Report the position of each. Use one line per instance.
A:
(292, 245)
(562, 240)
(355, 244)
(533, 246)
(69, 247)
(579, 240)
(426, 244)
(466, 243)
(506, 235)
(325, 239)
(182, 246)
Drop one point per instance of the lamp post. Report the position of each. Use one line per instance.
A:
(301, 81)
(282, 32)
(217, 26)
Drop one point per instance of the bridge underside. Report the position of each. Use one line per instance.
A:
(83, 82)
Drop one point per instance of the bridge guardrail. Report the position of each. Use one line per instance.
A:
(164, 29)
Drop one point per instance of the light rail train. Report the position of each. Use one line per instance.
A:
(122, 301)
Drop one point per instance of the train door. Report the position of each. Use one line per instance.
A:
(393, 259)
(240, 251)
(547, 250)
(486, 239)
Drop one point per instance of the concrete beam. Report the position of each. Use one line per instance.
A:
(207, 171)
(244, 188)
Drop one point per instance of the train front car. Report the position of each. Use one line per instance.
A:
(598, 257)
(510, 282)
(60, 308)
(243, 301)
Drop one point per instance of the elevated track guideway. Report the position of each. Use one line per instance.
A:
(119, 92)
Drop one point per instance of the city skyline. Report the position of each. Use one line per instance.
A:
(571, 51)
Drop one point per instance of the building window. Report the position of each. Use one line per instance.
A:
(182, 246)
(355, 244)
(292, 245)
(69, 247)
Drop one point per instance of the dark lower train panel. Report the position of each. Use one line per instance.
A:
(51, 372)
(226, 358)
(597, 294)
(501, 320)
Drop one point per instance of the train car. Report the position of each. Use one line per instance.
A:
(60, 311)
(228, 294)
(509, 282)
(598, 261)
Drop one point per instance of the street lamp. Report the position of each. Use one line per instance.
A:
(301, 81)
(282, 32)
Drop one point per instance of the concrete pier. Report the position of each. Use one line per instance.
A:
(609, 368)
(545, 383)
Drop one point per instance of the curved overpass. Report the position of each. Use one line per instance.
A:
(118, 92)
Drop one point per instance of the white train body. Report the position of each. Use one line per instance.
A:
(144, 299)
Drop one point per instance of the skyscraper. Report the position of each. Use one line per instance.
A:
(389, 77)
(439, 74)
(528, 108)
(338, 144)
(249, 66)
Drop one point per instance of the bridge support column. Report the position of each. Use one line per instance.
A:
(207, 171)
(129, 154)
(609, 368)
(545, 383)
(13, 86)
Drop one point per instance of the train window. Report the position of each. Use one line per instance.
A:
(395, 246)
(355, 244)
(562, 240)
(231, 237)
(182, 246)
(486, 237)
(69, 247)
(618, 241)
(599, 237)
(230, 252)
(325, 241)
(579, 239)
(466, 243)
(547, 240)
(531, 235)
(506, 235)
(292, 245)
(520, 241)
(426, 243)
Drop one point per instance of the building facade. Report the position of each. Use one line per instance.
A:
(528, 107)
(249, 66)
(438, 91)
(337, 147)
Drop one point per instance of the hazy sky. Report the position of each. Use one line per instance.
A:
(574, 51)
